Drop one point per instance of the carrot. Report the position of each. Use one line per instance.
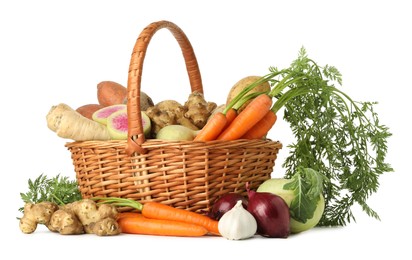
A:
(136, 223)
(246, 119)
(231, 114)
(127, 215)
(213, 128)
(261, 128)
(162, 211)
(156, 210)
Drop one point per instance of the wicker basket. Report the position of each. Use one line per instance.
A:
(184, 174)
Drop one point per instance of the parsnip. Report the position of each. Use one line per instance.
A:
(67, 123)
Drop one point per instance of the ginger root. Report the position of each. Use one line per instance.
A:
(198, 109)
(168, 112)
(35, 214)
(105, 227)
(78, 217)
(68, 123)
(90, 214)
(193, 114)
(66, 223)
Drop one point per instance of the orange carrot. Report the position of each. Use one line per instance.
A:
(213, 128)
(162, 211)
(136, 223)
(231, 114)
(127, 214)
(261, 128)
(246, 119)
(156, 210)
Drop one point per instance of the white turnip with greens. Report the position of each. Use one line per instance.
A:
(303, 193)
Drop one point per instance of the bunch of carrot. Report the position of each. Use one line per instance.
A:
(259, 116)
(155, 218)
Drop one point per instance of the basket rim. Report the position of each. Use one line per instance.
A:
(157, 143)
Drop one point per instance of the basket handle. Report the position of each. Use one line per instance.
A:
(136, 137)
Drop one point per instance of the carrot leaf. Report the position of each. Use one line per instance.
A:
(336, 136)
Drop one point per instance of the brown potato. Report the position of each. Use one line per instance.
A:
(145, 101)
(242, 84)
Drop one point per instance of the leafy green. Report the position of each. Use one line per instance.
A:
(307, 186)
(57, 189)
(338, 137)
(335, 136)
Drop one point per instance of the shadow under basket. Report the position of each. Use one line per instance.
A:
(184, 174)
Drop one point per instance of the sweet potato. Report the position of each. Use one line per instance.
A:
(111, 93)
(88, 110)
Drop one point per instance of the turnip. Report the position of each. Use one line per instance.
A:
(305, 210)
(176, 133)
(296, 226)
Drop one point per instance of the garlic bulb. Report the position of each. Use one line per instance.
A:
(237, 223)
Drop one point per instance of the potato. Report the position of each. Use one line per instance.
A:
(88, 110)
(145, 101)
(242, 84)
(111, 93)
(219, 108)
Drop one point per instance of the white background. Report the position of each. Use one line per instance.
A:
(57, 51)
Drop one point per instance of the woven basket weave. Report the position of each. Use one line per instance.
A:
(184, 174)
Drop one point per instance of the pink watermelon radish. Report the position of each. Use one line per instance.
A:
(117, 125)
(102, 114)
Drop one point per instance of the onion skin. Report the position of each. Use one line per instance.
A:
(226, 203)
(271, 213)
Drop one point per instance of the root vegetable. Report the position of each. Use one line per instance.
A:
(218, 109)
(176, 110)
(111, 93)
(145, 101)
(136, 223)
(168, 112)
(66, 223)
(91, 215)
(193, 115)
(303, 193)
(88, 110)
(241, 85)
(198, 110)
(213, 128)
(102, 114)
(156, 210)
(216, 125)
(83, 216)
(105, 227)
(245, 120)
(35, 214)
(67, 123)
(117, 124)
(176, 133)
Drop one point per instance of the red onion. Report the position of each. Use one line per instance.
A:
(226, 203)
(271, 213)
